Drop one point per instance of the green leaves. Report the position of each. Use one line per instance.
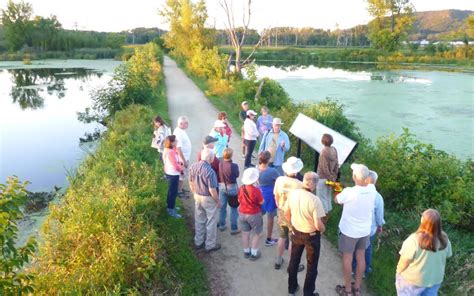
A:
(12, 258)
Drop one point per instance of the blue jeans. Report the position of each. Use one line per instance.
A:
(368, 258)
(234, 215)
(404, 288)
(173, 182)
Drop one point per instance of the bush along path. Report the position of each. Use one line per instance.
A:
(229, 273)
(110, 235)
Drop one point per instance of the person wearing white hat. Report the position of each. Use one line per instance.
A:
(222, 139)
(283, 186)
(277, 143)
(250, 213)
(250, 136)
(243, 116)
(355, 225)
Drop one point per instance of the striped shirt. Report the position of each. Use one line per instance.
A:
(203, 177)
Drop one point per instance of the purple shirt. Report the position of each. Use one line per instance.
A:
(264, 123)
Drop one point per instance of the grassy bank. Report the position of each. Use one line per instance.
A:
(414, 176)
(317, 55)
(111, 233)
(80, 54)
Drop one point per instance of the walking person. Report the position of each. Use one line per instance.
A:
(264, 122)
(228, 188)
(250, 214)
(354, 227)
(222, 139)
(227, 130)
(161, 131)
(266, 182)
(277, 143)
(203, 184)
(420, 270)
(242, 117)
(304, 211)
(250, 135)
(283, 186)
(377, 225)
(183, 147)
(328, 168)
(173, 169)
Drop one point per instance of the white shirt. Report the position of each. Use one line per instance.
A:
(183, 142)
(357, 212)
(250, 130)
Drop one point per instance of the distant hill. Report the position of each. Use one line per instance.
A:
(442, 24)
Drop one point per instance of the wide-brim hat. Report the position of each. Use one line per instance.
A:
(292, 165)
(218, 123)
(277, 120)
(251, 112)
(250, 176)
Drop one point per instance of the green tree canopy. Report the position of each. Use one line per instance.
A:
(16, 19)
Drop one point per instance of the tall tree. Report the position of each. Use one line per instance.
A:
(237, 34)
(16, 19)
(393, 19)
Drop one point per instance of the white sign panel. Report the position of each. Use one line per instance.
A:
(310, 131)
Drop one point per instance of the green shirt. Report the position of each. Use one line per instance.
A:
(426, 267)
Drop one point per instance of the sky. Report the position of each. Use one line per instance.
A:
(118, 15)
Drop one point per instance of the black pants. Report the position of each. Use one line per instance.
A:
(250, 145)
(312, 243)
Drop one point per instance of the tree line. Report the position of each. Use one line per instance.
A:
(20, 29)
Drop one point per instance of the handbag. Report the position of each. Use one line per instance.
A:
(232, 199)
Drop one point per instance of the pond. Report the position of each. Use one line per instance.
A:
(436, 106)
(41, 139)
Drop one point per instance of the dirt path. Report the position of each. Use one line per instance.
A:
(229, 273)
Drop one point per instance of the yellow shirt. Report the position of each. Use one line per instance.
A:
(283, 185)
(306, 208)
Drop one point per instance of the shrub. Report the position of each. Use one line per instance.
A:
(12, 257)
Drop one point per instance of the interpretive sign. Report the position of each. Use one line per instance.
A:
(310, 131)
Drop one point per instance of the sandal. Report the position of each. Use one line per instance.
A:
(357, 292)
(341, 291)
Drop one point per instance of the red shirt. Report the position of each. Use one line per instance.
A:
(250, 199)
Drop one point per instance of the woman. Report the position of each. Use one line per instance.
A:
(228, 173)
(159, 134)
(222, 116)
(250, 214)
(222, 139)
(266, 180)
(328, 167)
(250, 136)
(420, 269)
(264, 121)
(173, 168)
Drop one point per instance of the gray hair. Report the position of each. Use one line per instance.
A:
(310, 180)
(207, 155)
(182, 119)
(373, 177)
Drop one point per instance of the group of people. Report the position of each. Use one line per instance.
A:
(301, 204)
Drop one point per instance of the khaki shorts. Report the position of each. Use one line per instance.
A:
(348, 244)
(283, 231)
(184, 174)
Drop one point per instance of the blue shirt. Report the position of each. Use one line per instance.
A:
(279, 152)
(264, 123)
(221, 143)
(377, 217)
(203, 177)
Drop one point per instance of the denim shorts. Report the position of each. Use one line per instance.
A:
(404, 288)
(251, 222)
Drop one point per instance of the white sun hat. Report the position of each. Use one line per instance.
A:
(250, 176)
(292, 165)
(277, 120)
(218, 123)
(251, 112)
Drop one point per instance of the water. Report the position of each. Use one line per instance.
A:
(39, 130)
(438, 107)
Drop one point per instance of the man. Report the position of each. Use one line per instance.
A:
(209, 143)
(283, 185)
(203, 184)
(277, 143)
(250, 137)
(377, 224)
(304, 211)
(183, 147)
(356, 220)
(243, 116)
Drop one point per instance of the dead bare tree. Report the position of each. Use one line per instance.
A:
(236, 36)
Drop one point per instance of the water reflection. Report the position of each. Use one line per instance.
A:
(28, 84)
